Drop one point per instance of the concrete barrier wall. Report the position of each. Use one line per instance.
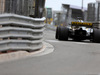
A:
(20, 32)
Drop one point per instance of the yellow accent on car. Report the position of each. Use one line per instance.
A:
(80, 23)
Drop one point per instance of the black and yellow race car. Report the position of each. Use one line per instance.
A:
(78, 31)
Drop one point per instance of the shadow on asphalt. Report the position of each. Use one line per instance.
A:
(83, 41)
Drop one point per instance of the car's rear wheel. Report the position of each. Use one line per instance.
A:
(96, 35)
(57, 32)
(63, 33)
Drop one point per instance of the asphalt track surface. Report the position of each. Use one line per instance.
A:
(68, 58)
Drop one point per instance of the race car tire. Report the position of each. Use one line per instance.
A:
(96, 35)
(57, 32)
(63, 33)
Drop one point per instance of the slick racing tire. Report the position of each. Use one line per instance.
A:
(96, 35)
(63, 33)
(57, 32)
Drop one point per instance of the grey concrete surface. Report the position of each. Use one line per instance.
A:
(68, 58)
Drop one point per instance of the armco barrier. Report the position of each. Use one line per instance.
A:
(20, 32)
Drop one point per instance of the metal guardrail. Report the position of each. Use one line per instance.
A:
(20, 32)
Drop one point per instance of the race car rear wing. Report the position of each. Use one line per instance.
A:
(82, 24)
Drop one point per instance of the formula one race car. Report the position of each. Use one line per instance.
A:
(78, 31)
